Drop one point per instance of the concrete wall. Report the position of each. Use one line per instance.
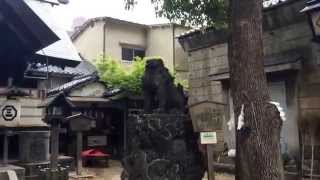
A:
(158, 40)
(118, 35)
(162, 42)
(89, 44)
(29, 113)
(201, 63)
(181, 57)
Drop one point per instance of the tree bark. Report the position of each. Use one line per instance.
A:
(258, 141)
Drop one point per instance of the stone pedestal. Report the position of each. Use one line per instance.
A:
(162, 147)
(33, 152)
(34, 146)
(39, 170)
(18, 170)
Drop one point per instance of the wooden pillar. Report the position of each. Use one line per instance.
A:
(5, 148)
(124, 132)
(211, 173)
(79, 150)
(55, 128)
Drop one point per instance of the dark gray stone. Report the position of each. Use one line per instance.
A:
(34, 146)
(162, 144)
(160, 92)
(162, 147)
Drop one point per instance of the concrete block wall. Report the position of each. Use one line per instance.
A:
(200, 88)
(302, 97)
(309, 93)
(214, 59)
(285, 30)
(294, 36)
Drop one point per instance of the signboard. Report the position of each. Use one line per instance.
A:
(80, 122)
(207, 116)
(97, 141)
(208, 138)
(10, 113)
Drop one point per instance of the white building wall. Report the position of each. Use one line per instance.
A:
(89, 44)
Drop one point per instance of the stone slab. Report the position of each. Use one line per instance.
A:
(19, 171)
(82, 176)
(34, 146)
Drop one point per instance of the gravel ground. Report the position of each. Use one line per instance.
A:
(113, 173)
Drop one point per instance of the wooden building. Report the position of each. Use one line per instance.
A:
(30, 40)
(88, 96)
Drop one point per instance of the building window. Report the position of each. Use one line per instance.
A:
(128, 54)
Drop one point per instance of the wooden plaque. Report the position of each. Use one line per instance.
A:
(207, 116)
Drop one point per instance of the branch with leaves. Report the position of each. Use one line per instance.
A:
(190, 12)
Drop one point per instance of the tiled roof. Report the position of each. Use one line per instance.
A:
(58, 70)
(84, 68)
(76, 83)
(80, 29)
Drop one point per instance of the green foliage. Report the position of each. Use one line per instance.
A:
(128, 78)
(190, 12)
(116, 75)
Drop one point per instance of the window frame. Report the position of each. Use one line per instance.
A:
(134, 48)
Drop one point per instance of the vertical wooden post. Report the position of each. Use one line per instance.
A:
(211, 173)
(79, 150)
(54, 146)
(124, 132)
(5, 148)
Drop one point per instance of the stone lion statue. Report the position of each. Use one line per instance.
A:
(160, 92)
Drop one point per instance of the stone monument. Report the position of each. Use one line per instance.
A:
(162, 145)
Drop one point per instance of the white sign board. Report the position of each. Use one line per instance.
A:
(97, 141)
(208, 138)
(10, 113)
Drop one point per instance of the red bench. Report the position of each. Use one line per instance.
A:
(93, 155)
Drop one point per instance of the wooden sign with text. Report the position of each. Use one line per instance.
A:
(207, 116)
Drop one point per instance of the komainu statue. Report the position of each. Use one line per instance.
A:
(161, 141)
(160, 92)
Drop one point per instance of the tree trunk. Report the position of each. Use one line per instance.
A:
(258, 141)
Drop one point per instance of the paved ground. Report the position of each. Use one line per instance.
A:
(221, 177)
(111, 173)
(114, 171)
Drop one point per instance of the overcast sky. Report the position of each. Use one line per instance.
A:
(142, 13)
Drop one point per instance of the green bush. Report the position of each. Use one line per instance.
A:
(128, 78)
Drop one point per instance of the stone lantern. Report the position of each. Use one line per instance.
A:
(79, 123)
(56, 109)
